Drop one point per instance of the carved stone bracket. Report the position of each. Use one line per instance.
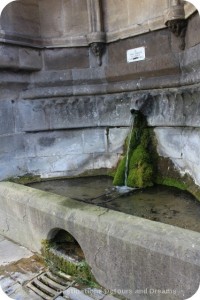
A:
(97, 49)
(96, 37)
(176, 22)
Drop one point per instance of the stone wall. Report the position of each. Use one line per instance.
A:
(61, 136)
(57, 23)
(65, 115)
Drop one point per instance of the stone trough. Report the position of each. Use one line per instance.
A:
(138, 258)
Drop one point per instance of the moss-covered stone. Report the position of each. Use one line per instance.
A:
(25, 179)
(138, 157)
(80, 270)
(171, 182)
(140, 166)
(120, 173)
(141, 176)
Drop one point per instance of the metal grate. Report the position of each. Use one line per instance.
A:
(50, 286)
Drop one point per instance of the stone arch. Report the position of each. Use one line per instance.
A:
(65, 242)
(62, 252)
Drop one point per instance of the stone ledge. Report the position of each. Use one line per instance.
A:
(19, 58)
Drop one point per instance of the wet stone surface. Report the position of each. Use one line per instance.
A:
(159, 203)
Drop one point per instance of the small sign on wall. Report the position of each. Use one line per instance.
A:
(135, 54)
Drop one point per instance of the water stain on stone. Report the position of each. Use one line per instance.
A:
(46, 141)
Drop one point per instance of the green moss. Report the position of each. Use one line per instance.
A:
(141, 176)
(120, 173)
(25, 179)
(80, 270)
(140, 166)
(138, 156)
(145, 139)
(171, 182)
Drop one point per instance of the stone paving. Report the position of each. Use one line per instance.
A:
(18, 266)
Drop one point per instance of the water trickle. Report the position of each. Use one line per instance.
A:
(136, 168)
(128, 154)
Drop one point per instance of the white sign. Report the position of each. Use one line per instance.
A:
(135, 54)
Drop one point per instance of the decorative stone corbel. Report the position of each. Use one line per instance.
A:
(97, 49)
(176, 22)
(96, 37)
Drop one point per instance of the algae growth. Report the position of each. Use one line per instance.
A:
(140, 168)
(56, 260)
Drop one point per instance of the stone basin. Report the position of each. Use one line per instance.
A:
(139, 258)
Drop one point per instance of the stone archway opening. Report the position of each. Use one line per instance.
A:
(63, 253)
(67, 245)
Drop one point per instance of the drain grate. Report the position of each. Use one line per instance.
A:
(49, 286)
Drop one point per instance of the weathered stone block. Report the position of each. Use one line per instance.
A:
(170, 141)
(33, 115)
(56, 143)
(105, 161)
(51, 78)
(7, 118)
(74, 112)
(151, 41)
(66, 58)
(113, 20)
(55, 166)
(51, 23)
(94, 140)
(114, 110)
(12, 146)
(30, 59)
(192, 37)
(47, 92)
(9, 57)
(190, 60)
(153, 67)
(182, 147)
(12, 167)
(89, 76)
(153, 9)
(173, 109)
(75, 17)
(116, 139)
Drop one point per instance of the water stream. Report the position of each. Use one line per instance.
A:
(128, 153)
